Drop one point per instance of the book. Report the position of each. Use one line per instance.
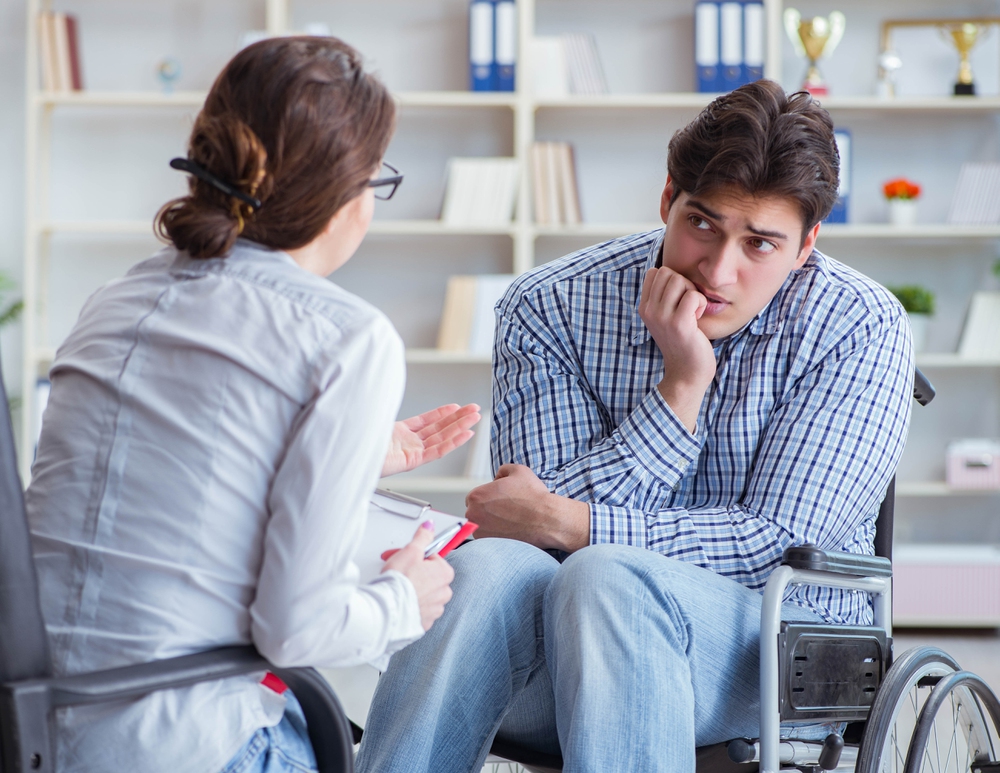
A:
(59, 52)
(76, 74)
(479, 462)
(554, 184)
(480, 191)
(839, 212)
(977, 195)
(706, 46)
(505, 45)
(586, 75)
(753, 40)
(47, 54)
(468, 320)
(551, 76)
(569, 197)
(731, 44)
(981, 334)
(481, 35)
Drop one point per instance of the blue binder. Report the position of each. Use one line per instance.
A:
(706, 46)
(754, 24)
(481, 60)
(505, 44)
(731, 44)
(839, 212)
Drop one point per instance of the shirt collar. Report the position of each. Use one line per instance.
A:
(767, 322)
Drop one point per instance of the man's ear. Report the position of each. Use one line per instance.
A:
(807, 246)
(665, 198)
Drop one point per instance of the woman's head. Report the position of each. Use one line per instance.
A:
(293, 122)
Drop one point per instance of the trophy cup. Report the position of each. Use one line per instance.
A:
(964, 35)
(814, 39)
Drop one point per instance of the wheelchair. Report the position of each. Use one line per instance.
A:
(918, 713)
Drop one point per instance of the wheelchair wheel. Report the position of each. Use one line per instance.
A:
(955, 730)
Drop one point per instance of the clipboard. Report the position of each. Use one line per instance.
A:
(393, 519)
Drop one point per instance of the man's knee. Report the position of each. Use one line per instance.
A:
(496, 572)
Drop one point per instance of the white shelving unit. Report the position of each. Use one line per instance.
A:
(621, 140)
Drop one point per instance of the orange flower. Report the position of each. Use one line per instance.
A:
(901, 188)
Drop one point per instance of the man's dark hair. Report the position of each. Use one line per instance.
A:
(758, 140)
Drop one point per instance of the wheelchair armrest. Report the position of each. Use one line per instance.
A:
(819, 560)
(136, 681)
(28, 702)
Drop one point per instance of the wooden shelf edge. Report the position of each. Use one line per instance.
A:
(886, 231)
(439, 357)
(939, 489)
(952, 360)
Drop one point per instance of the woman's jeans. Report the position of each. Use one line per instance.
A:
(284, 748)
(619, 658)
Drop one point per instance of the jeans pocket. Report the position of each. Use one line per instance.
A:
(250, 758)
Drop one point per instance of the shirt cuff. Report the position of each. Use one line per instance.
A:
(406, 627)
(617, 525)
(658, 440)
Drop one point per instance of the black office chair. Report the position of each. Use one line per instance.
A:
(820, 673)
(29, 694)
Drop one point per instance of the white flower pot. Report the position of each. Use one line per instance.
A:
(918, 327)
(902, 212)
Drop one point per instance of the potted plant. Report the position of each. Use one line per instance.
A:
(902, 195)
(919, 305)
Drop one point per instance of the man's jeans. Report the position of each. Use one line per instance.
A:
(284, 748)
(621, 658)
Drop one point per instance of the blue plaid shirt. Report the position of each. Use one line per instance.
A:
(797, 436)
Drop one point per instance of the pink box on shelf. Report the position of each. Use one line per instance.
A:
(973, 463)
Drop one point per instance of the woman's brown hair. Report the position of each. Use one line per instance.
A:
(294, 122)
(759, 141)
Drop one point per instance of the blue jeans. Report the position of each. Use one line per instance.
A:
(284, 748)
(620, 658)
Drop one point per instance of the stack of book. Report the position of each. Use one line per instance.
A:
(728, 43)
(59, 49)
(567, 64)
(467, 318)
(480, 192)
(977, 195)
(557, 198)
(492, 45)
(981, 334)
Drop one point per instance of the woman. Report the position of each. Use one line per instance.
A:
(218, 420)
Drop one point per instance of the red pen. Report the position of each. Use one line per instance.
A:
(463, 534)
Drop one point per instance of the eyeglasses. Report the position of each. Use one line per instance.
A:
(384, 182)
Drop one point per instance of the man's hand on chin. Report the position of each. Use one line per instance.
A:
(517, 505)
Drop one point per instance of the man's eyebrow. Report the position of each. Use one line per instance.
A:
(752, 229)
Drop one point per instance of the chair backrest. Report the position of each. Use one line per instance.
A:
(24, 648)
(923, 393)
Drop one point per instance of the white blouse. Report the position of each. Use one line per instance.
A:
(214, 432)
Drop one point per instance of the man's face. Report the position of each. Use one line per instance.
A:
(736, 249)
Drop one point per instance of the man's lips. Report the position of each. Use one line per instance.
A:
(716, 303)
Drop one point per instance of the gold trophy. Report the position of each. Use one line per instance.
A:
(965, 36)
(814, 39)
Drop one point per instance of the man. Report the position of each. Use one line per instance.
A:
(672, 409)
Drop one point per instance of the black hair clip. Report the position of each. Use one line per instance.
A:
(189, 166)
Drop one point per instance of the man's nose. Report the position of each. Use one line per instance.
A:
(720, 267)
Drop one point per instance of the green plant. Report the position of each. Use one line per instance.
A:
(13, 311)
(915, 299)
(996, 268)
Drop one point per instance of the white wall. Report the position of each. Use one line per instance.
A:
(11, 170)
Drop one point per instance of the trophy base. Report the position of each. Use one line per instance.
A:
(816, 89)
(965, 89)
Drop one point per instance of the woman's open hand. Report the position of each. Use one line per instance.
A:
(429, 436)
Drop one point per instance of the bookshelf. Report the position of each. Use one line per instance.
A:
(620, 141)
